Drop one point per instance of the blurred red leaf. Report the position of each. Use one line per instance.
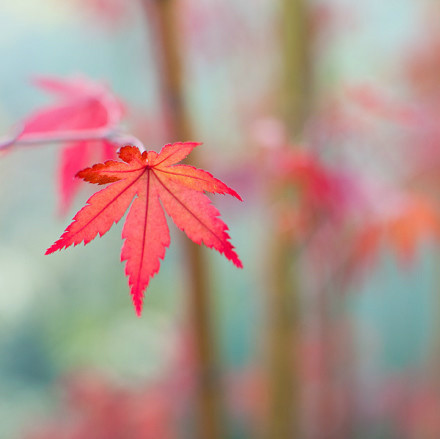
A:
(95, 408)
(320, 193)
(379, 104)
(84, 110)
(416, 219)
(82, 106)
(77, 156)
(108, 12)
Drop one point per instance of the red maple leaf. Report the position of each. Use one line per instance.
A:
(151, 179)
(85, 111)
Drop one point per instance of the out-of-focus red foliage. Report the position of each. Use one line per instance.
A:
(422, 59)
(412, 405)
(94, 408)
(379, 104)
(84, 110)
(421, 415)
(247, 398)
(76, 156)
(216, 29)
(110, 13)
(327, 207)
(417, 218)
(321, 191)
(82, 105)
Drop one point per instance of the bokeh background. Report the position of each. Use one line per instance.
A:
(353, 195)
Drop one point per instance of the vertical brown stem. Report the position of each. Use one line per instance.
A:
(162, 16)
(283, 345)
(335, 395)
(208, 391)
(284, 332)
(296, 81)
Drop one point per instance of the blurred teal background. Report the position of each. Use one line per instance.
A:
(72, 311)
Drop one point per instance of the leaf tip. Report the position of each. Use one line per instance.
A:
(137, 298)
(52, 249)
(138, 307)
(236, 195)
(238, 263)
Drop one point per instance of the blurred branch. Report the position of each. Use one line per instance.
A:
(161, 14)
(284, 330)
(295, 86)
(57, 137)
(110, 134)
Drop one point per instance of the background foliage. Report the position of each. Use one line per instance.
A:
(66, 325)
